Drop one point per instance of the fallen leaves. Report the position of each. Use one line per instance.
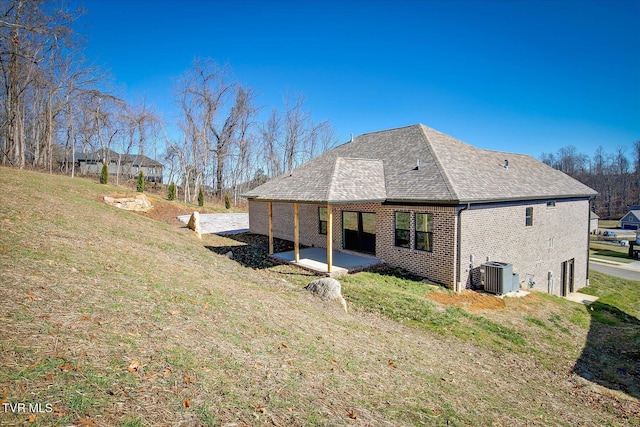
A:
(186, 403)
(86, 422)
(390, 363)
(134, 367)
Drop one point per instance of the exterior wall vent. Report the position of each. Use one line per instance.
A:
(498, 278)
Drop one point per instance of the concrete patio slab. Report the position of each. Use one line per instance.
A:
(315, 259)
(227, 223)
(581, 298)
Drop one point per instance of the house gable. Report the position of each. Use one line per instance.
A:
(631, 219)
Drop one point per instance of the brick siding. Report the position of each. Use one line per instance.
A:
(494, 232)
(559, 233)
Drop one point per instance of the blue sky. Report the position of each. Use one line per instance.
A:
(517, 76)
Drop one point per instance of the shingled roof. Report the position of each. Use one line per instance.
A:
(134, 159)
(418, 164)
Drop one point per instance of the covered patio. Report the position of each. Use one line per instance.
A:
(315, 259)
(336, 181)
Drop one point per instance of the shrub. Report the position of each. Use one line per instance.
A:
(172, 192)
(200, 197)
(140, 182)
(104, 175)
(227, 201)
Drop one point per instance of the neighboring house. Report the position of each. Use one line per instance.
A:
(631, 221)
(126, 165)
(436, 206)
(593, 220)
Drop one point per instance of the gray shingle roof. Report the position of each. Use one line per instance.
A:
(382, 166)
(134, 159)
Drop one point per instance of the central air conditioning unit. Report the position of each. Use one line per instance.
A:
(498, 277)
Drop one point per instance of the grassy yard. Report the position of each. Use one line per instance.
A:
(609, 252)
(608, 223)
(112, 318)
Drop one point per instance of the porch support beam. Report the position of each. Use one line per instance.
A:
(270, 228)
(329, 238)
(296, 233)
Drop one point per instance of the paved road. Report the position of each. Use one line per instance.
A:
(626, 272)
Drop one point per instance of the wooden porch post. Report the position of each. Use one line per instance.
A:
(296, 233)
(270, 228)
(329, 238)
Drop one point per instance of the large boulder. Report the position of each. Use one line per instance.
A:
(139, 203)
(327, 289)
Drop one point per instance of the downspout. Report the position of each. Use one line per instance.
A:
(588, 237)
(457, 286)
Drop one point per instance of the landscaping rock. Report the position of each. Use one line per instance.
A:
(194, 223)
(327, 289)
(139, 203)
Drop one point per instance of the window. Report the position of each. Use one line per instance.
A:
(403, 229)
(322, 221)
(529, 217)
(551, 204)
(424, 232)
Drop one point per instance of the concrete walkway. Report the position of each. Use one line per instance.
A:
(581, 298)
(315, 259)
(227, 223)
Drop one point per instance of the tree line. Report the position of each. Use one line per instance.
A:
(614, 175)
(56, 105)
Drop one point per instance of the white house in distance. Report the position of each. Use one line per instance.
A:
(431, 204)
(593, 228)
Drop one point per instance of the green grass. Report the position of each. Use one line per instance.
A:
(608, 223)
(613, 344)
(609, 252)
(400, 296)
(619, 294)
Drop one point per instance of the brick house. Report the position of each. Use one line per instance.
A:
(126, 165)
(423, 201)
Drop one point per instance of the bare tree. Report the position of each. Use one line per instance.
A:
(33, 37)
(293, 138)
(270, 133)
(298, 129)
(216, 116)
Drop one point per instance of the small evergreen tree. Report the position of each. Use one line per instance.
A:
(227, 201)
(200, 197)
(104, 175)
(140, 182)
(172, 192)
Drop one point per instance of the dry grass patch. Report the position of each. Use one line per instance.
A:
(470, 300)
